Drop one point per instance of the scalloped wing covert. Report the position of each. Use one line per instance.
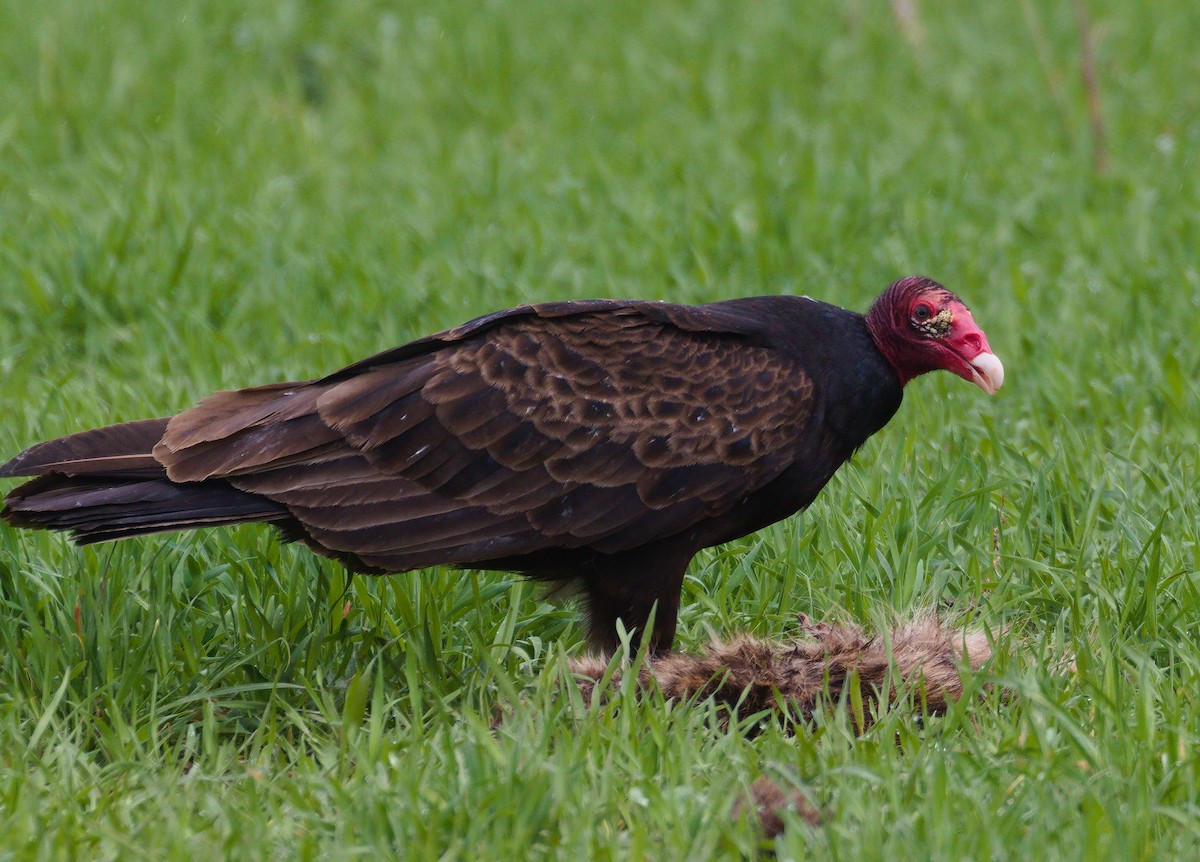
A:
(603, 425)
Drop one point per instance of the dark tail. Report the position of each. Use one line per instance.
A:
(106, 484)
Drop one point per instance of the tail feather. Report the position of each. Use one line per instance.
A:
(106, 484)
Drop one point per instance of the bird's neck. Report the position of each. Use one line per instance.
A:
(883, 333)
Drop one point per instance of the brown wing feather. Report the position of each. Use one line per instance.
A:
(125, 450)
(598, 424)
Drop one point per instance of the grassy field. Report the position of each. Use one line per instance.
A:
(203, 195)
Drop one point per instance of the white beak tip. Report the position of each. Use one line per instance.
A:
(987, 372)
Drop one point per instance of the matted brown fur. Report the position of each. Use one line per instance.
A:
(748, 675)
(770, 802)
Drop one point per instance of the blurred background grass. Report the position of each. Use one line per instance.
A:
(204, 195)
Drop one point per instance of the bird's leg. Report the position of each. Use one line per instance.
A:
(615, 593)
(606, 605)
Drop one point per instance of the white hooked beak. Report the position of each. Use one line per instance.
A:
(987, 372)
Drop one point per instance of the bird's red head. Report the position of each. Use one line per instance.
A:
(920, 326)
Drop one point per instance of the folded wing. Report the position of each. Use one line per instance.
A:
(603, 425)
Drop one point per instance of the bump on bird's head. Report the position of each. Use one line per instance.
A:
(920, 326)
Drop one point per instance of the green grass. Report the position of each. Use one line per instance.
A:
(205, 195)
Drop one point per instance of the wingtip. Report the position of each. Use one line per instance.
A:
(12, 468)
(26, 464)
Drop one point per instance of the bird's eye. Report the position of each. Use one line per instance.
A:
(922, 312)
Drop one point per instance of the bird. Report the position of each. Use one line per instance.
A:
(597, 445)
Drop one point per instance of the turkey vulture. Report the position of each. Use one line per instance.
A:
(599, 442)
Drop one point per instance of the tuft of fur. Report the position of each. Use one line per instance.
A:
(769, 802)
(747, 675)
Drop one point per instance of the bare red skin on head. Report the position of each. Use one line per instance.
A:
(920, 326)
